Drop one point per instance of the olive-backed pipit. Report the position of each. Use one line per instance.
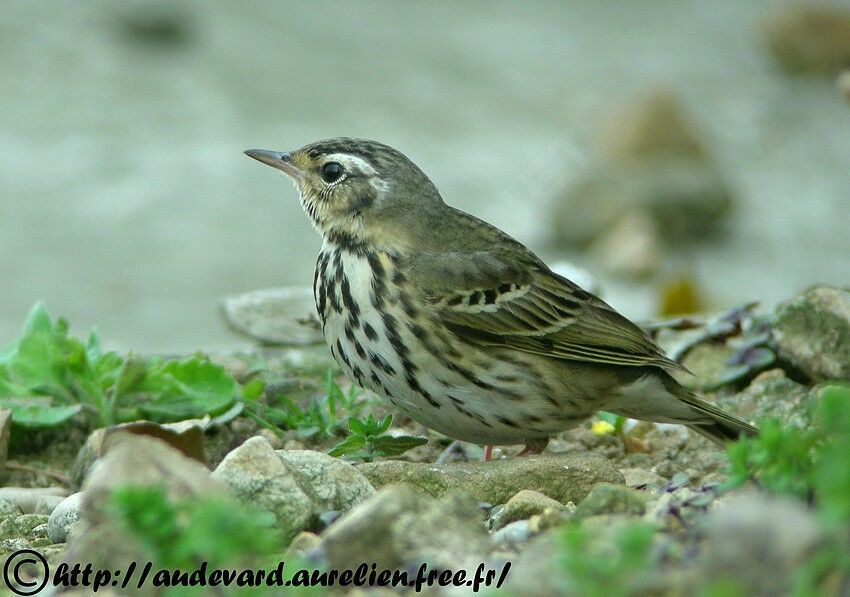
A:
(460, 326)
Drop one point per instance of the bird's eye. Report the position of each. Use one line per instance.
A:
(332, 172)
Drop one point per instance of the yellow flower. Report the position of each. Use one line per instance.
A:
(602, 427)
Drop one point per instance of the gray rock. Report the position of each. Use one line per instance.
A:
(400, 525)
(812, 330)
(707, 362)
(186, 436)
(47, 503)
(758, 540)
(21, 526)
(297, 486)
(540, 571)
(524, 505)
(9, 509)
(638, 477)
(608, 498)
(513, 534)
(63, 516)
(844, 84)
(563, 477)
(257, 476)
(40, 531)
(536, 571)
(275, 316)
(772, 394)
(143, 461)
(331, 483)
(140, 461)
(26, 498)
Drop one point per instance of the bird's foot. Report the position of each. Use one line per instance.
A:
(488, 453)
(535, 446)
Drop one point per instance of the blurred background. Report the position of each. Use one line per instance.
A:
(691, 155)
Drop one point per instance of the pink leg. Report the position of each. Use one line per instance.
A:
(488, 453)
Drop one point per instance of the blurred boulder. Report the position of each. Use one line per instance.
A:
(610, 498)
(631, 246)
(185, 436)
(809, 38)
(132, 460)
(26, 498)
(159, 26)
(844, 84)
(652, 126)
(653, 167)
(758, 541)
(285, 316)
(812, 330)
(400, 526)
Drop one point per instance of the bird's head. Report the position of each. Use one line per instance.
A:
(356, 190)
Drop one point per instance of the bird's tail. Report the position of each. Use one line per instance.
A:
(718, 425)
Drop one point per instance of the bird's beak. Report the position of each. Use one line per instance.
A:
(276, 159)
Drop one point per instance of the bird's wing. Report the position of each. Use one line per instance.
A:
(515, 301)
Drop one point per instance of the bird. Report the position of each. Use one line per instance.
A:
(460, 326)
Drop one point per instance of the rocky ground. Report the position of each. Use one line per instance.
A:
(594, 491)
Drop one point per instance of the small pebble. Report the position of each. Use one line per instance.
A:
(514, 533)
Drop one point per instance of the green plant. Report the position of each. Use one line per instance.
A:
(220, 533)
(811, 464)
(368, 440)
(609, 566)
(48, 376)
(182, 534)
(780, 459)
(322, 416)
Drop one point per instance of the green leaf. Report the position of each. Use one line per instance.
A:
(350, 444)
(387, 445)
(253, 389)
(37, 363)
(34, 416)
(384, 424)
(130, 376)
(188, 389)
(357, 427)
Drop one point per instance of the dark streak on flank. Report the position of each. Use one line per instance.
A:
(379, 286)
(391, 328)
(508, 422)
(341, 354)
(370, 332)
(350, 304)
